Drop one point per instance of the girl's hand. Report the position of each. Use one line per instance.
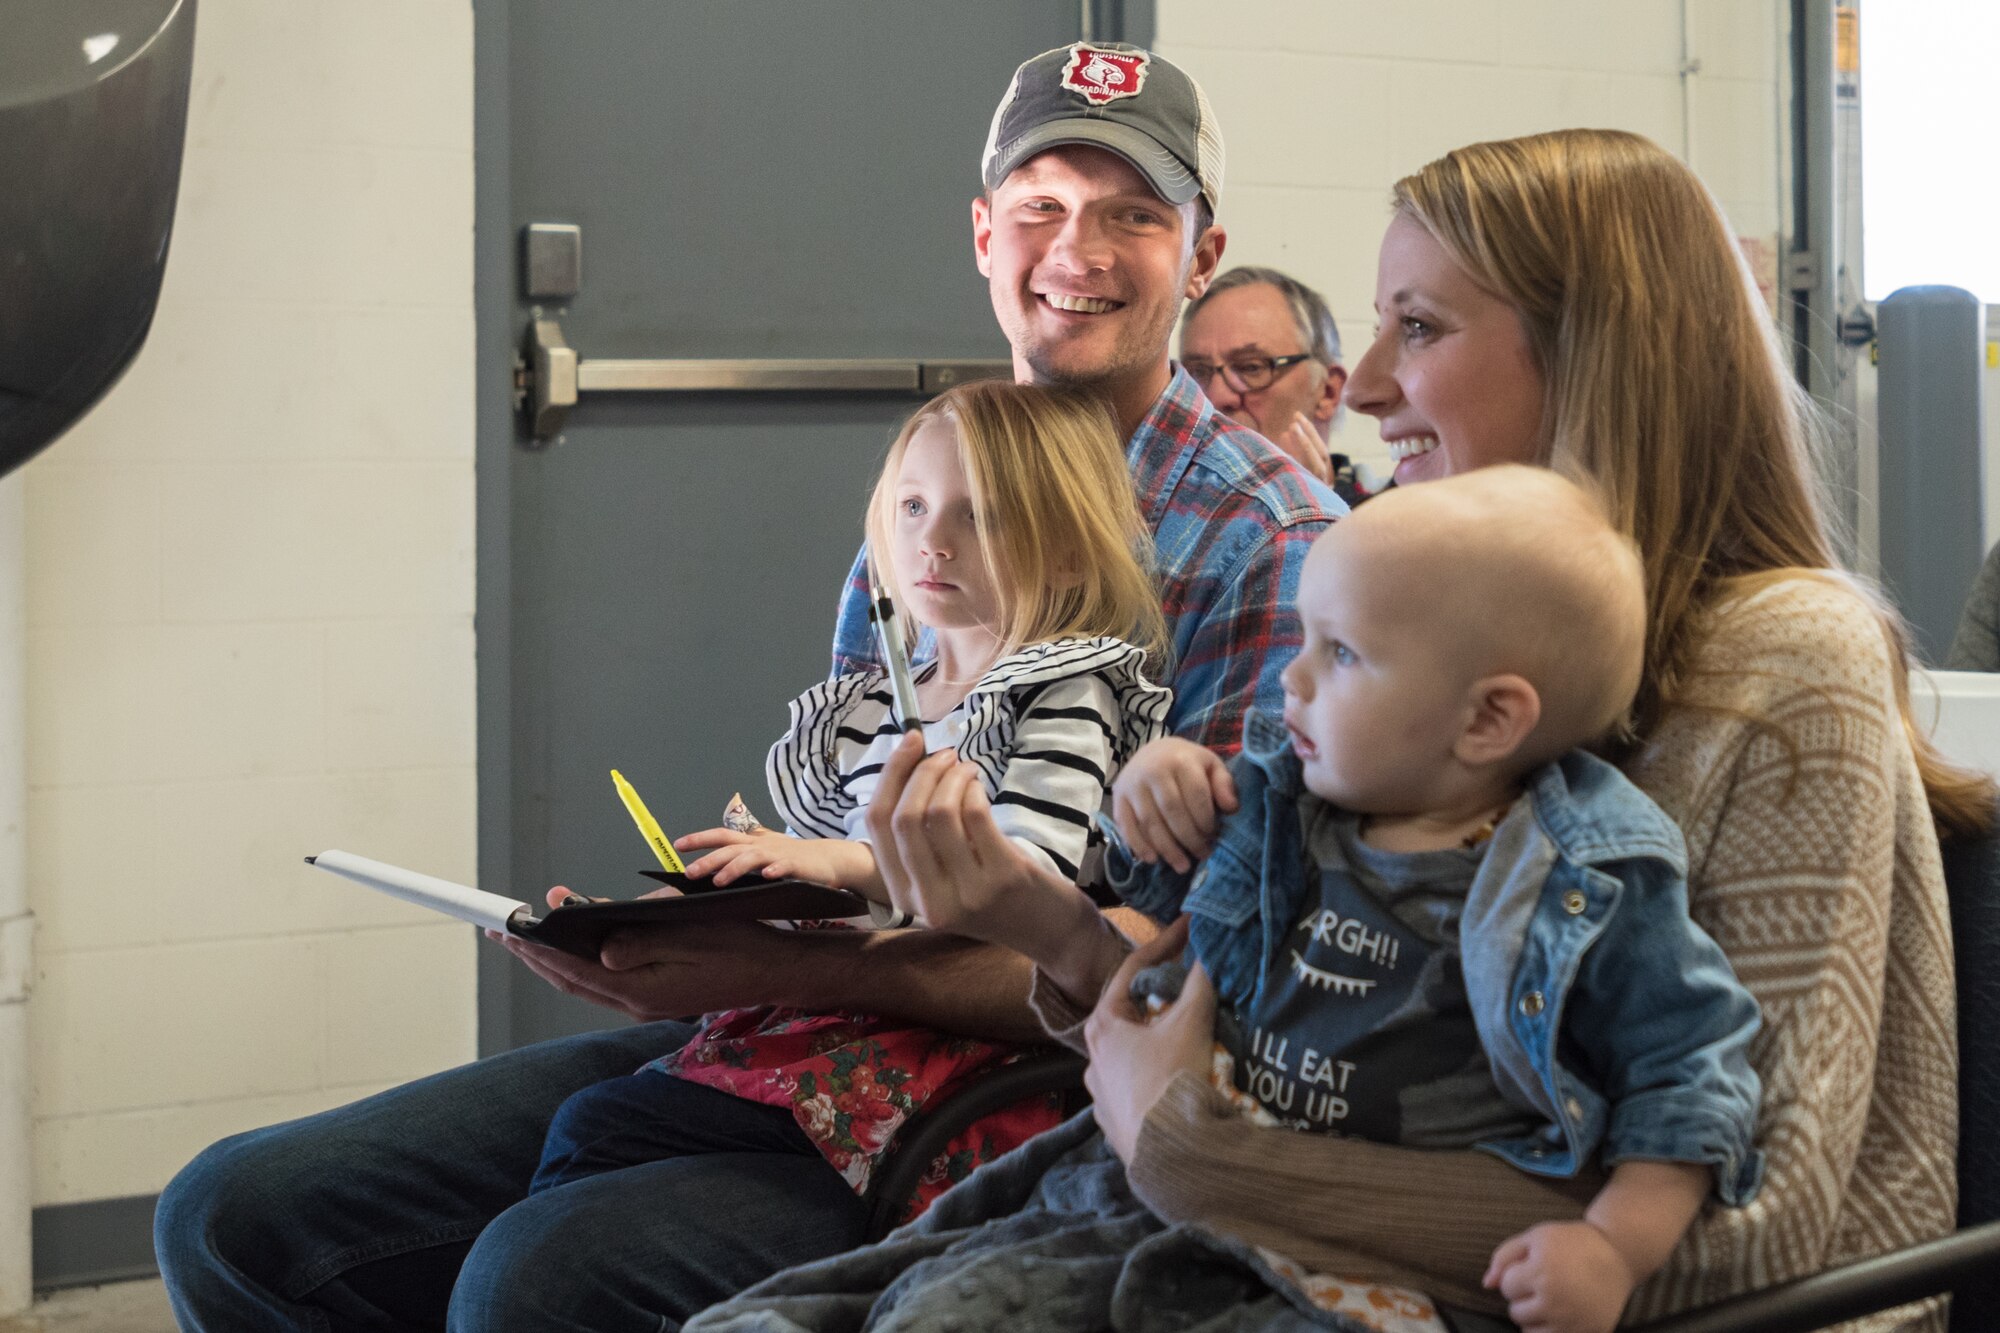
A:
(831, 861)
(730, 841)
(722, 837)
(1168, 801)
(1133, 1060)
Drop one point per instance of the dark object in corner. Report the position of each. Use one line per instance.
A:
(93, 111)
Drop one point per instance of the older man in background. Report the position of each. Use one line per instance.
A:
(1264, 348)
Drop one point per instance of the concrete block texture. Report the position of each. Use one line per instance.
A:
(250, 600)
(1325, 103)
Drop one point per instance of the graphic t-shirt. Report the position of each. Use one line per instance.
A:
(1367, 1030)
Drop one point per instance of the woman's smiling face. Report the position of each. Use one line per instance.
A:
(1450, 374)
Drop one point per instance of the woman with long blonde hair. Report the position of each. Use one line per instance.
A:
(1773, 721)
(1574, 300)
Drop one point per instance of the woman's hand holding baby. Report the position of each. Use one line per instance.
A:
(1169, 801)
(831, 861)
(1134, 1055)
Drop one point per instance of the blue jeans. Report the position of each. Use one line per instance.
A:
(412, 1209)
(650, 1116)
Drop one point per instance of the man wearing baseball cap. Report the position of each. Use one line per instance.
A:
(1102, 173)
(1127, 131)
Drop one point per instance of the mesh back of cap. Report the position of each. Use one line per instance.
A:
(1208, 147)
(999, 114)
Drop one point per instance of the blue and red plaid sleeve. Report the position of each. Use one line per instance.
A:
(853, 637)
(1232, 648)
(1232, 519)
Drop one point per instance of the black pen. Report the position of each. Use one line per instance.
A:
(889, 635)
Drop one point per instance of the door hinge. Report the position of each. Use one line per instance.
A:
(1802, 270)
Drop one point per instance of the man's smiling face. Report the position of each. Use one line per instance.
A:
(1086, 265)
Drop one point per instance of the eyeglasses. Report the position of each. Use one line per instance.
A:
(1247, 375)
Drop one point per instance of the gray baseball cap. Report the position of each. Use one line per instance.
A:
(1141, 106)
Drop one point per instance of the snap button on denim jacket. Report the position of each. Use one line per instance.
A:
(1601, 1006)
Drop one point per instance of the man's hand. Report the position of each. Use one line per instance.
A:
(943, 857)
(1169, 801)
(674, 972)
(1133, 1056)
(832, 861)
(945, 861)
(1562, 1277)
(1302, 442)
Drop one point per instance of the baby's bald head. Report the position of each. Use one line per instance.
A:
(1510, 570)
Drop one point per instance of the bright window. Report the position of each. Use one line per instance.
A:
(1930, 145)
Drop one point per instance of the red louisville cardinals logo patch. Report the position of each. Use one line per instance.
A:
(1103, 76)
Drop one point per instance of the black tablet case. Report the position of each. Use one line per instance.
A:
(580, 928)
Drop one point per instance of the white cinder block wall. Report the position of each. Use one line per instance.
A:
(250, 615)
(250, 570)
(1325, 103)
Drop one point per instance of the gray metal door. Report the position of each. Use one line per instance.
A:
(752, 179)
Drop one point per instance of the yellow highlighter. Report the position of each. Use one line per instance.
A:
(648, 826)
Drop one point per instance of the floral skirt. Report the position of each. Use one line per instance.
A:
(851, 1080)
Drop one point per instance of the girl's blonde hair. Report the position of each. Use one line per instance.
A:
(1059, 523)
(1666, 387)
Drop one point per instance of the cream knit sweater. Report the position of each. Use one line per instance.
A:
(1814, 864)
(1818, 873)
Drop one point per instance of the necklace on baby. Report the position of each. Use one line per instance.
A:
(1485, 831)
(1470, 842)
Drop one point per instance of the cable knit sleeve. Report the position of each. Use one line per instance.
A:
(1338, 1205)
(1814, 864)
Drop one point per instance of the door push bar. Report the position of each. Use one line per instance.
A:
(549, 376)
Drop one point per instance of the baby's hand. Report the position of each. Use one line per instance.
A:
(1169, 800)
(1561, 1277)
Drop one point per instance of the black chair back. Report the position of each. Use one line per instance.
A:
(1972, 879)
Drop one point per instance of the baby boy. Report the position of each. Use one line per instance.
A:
(1435, 920)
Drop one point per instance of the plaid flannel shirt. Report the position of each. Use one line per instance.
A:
(1232, 517)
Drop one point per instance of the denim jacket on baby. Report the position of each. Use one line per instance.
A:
(1601, 1006)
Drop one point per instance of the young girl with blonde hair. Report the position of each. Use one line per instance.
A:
(1005, 525)
(1006, 529)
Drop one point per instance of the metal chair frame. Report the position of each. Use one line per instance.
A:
(924, 1136)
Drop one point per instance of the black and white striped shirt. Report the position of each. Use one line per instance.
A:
(1047, 728)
